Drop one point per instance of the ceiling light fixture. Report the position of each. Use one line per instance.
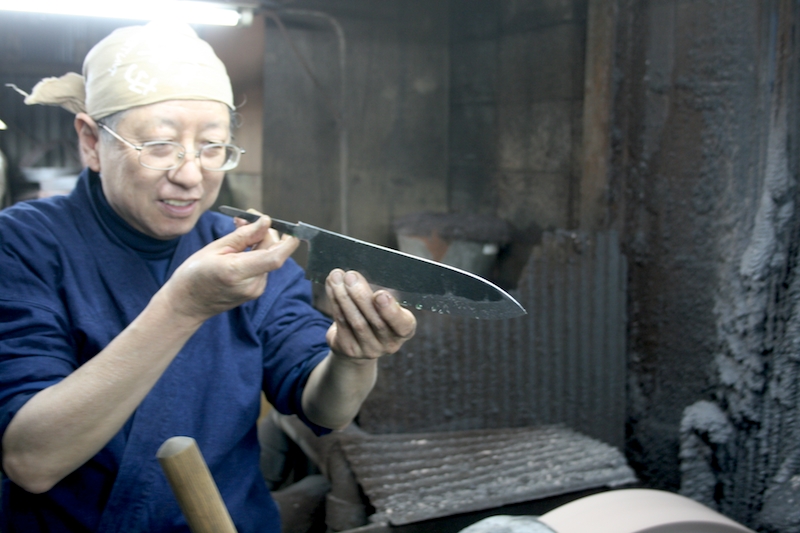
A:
(192, 12)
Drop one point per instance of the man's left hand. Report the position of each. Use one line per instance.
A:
(366, 324)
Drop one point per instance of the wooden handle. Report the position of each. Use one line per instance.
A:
(194, 488)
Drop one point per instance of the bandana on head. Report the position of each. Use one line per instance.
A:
(136, 66)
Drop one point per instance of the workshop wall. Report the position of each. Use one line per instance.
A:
(356, 160)
(516, 104)
(705, 173)
(241, 49)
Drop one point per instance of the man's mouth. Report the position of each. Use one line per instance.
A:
(178, 203)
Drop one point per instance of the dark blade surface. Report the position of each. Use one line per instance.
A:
(416, 282)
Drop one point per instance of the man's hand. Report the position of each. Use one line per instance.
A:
(366, 325)
(224, 274)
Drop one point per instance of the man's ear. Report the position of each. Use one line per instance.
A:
(88, 140)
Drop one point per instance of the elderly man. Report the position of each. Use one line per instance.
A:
(129, 314)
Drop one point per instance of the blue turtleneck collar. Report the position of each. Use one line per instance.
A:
(147, 247)
(157, 253)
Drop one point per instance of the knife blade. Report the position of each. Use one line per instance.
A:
(417, 282)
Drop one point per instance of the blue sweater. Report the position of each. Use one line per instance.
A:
(73, 275)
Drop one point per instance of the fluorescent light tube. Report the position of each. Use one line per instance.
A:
(192, 12)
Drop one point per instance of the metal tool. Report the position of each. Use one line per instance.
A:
(416, 282)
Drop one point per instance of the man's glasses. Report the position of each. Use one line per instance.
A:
(168, 155)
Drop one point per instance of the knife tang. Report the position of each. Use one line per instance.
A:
(280, 225)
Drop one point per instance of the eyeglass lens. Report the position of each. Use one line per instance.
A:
(167, 155)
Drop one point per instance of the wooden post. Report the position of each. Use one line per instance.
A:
(601, 30)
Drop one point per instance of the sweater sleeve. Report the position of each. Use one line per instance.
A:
(36, 347)
(293, 336)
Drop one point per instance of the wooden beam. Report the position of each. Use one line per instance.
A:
(601, 28)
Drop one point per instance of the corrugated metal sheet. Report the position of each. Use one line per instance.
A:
(410, 478)
(562, 363)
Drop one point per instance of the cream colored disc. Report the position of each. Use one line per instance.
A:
(638, 511)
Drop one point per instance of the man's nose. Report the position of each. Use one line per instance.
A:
(189, 173)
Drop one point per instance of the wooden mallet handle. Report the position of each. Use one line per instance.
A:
(194, 488)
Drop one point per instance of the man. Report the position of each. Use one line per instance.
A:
(129, 314)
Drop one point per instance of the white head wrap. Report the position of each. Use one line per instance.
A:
(139, 65)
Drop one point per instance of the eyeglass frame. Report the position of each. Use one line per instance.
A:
(181, 155)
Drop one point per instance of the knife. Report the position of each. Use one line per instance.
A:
(416, 282)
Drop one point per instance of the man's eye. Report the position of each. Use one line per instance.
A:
(161, 149)
(213, 149)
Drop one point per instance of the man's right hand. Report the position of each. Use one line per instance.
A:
(225, 274)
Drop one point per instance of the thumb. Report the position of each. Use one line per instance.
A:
(244, 237)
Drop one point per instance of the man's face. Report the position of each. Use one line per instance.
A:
(163, 203)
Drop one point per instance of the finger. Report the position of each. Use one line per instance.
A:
(243, 237)
(335, 310)
(270, 238)
(274, 236)
(341, 338)
(354, 298)
(401, 321)
(239, 221)
(336, 278)
(262, 260)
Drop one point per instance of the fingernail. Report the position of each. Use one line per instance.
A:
(351, 279)
(383, 300)
(337, 277)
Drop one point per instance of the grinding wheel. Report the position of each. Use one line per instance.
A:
(638, 511)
